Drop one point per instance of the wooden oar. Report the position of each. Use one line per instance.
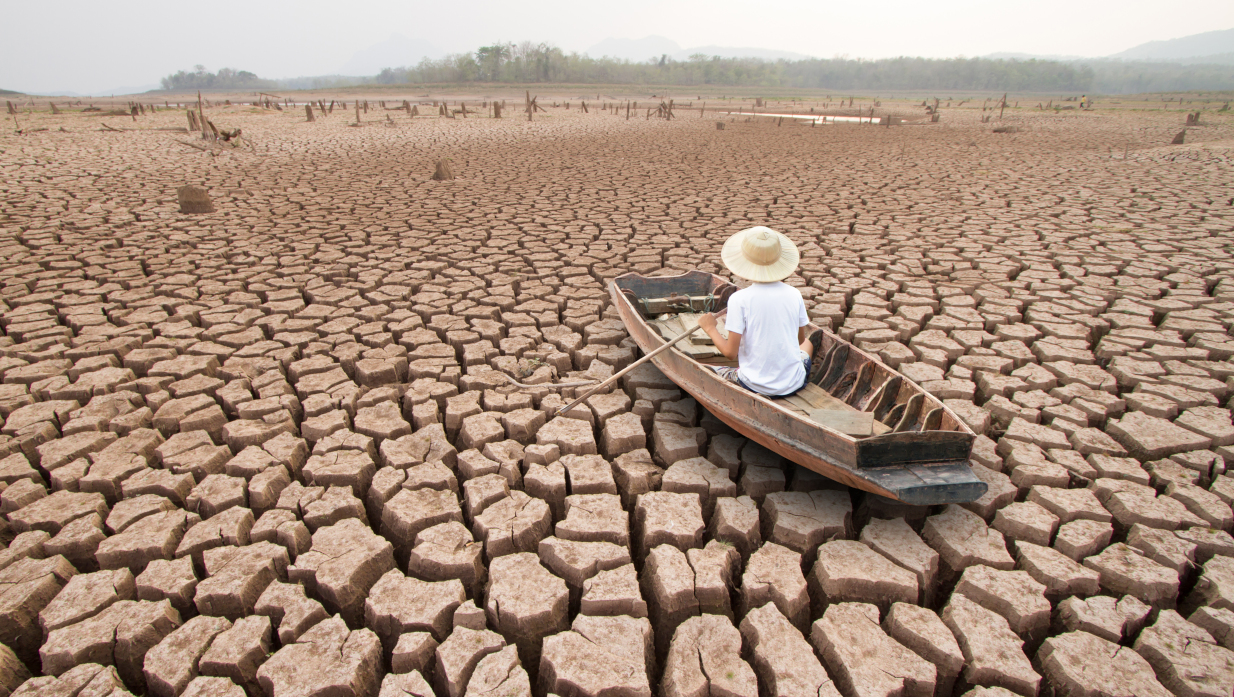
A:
(628, 368)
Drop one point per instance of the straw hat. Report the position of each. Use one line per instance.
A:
(760, 254)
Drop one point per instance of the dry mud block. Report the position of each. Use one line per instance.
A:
(736, 521)
(773, 575)
(1061, 576)
(524, 602)
(410, 684)
(26, 589)
(1186, 658)
(1109, 618)
(85, 679)
(399, 604)
(850, 572)
(1079, 663)
(12, 672)
(599, 655)
(864, 659)
(994, 655)
(172, 664)
(705, 659)
(120, 636)
(783, 660)
(458, 657)
(86, 595)
(680, 584)
(1215, 587)
(613, 592)
(896, 540)
(327, 659)
(921, 630)
(344, 562)
(1013, 594)
(1151, 438)
(211, 686)
(194, 199)
(237, 652)
(663, 517)
(1124, 570)
(446, 552)
(149, 539)
(595, 518)
(962, 539)
(576, 562)
(236, 578)
(414, 652)
(802, 521)
(500, 674)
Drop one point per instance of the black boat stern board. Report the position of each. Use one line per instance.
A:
(908, 448)
(929, 485)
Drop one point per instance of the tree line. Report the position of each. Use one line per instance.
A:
(529, 62)
(224, 79)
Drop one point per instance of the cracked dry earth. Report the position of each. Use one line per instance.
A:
(264, 451)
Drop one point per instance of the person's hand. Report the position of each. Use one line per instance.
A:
(707, 322)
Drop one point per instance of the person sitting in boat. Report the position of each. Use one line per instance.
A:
(767, 321)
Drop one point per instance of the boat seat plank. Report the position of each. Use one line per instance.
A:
(689, 322)
(814, 397)
(858, 424)
(672, 326)
(699, 346)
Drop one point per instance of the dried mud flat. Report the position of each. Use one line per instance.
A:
(263, 450)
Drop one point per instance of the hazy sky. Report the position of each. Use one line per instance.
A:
(88, 46)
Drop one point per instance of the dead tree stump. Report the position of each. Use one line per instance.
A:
(719, 125)
(443, 172)
(54, 110)
(1178, 139)
(194, 199)
(308, 113)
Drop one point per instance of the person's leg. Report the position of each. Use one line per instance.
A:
(727, 373)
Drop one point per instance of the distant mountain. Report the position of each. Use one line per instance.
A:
(637, 50)
(1214, 59)
(10, 92)
(1211, 48)
(114, 92)
(132, 89)
(1185, 49)
(648, 47)
(731, 52)
(395, 52)
(1033, 56)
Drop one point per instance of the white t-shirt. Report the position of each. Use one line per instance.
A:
(767, 316)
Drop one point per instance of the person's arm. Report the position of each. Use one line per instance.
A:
(728, 346)
(803, 320)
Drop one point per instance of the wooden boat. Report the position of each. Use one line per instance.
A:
(861, 423)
